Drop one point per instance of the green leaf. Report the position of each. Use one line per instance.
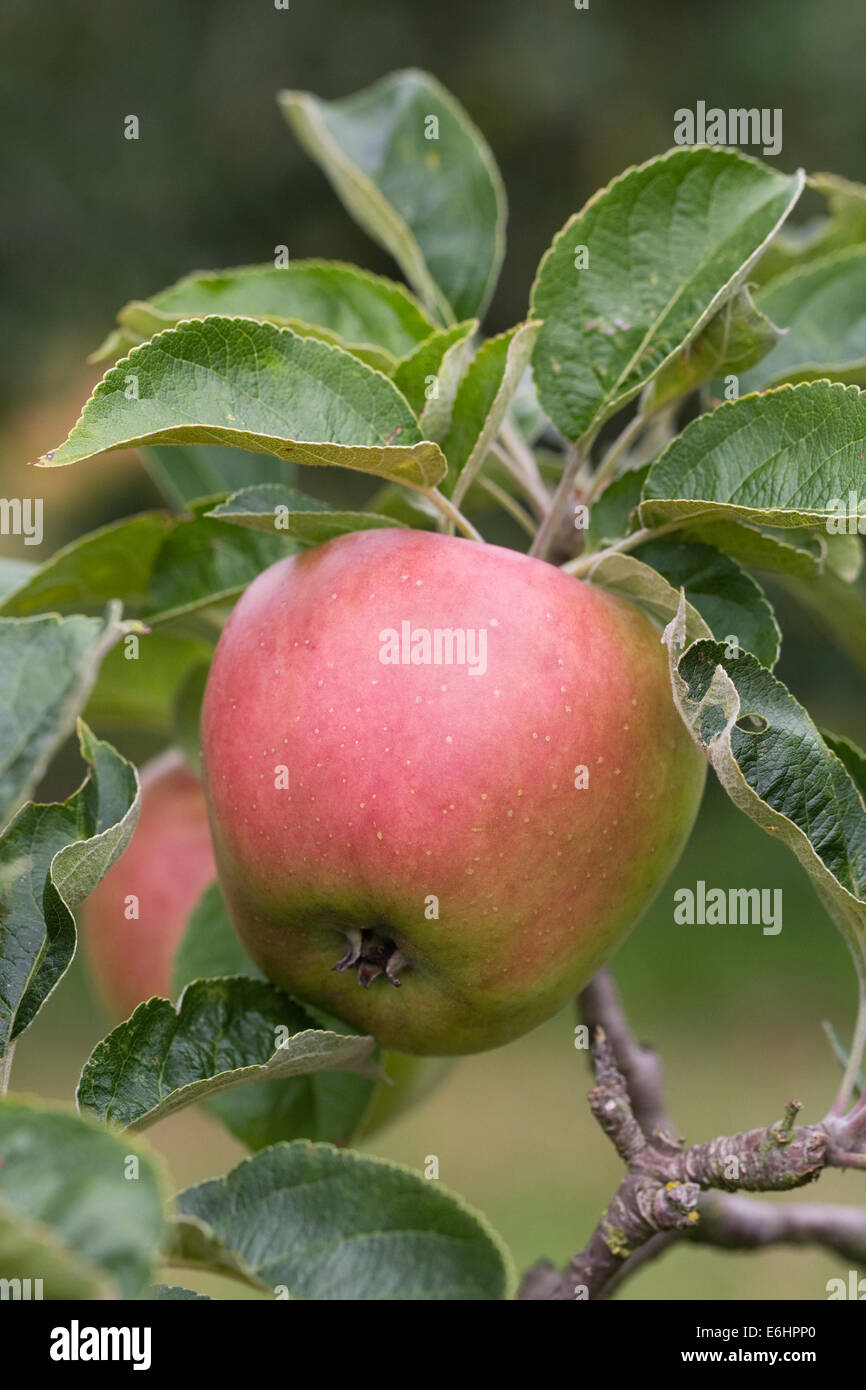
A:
(668, 244)
(735, 338)
(853, 757)
(430, 376)
(405, 508)
(614, 515)
(140, 692)
(224, 1033)
(823, 308)
(204, 561)
(767, 550)
(327, 1105)
(51, 857)
(182, 564)
(643, 586)
(210, 947)
(730, 601)
(48, 667)
(70, 1209)
(416, 174)
(774, 765)
(482, 403)
(843, 556)
(529, 419)
(846, 203)
(326, 1224)
(192, 1243)
(33, 1260)
(13, 574)
(185, 473)
(374, 318)
(306, 519)
(143, 322)
(844, 226)
(611, 514)
(237, 382)
(114, 562)
(786, 458)
(412, 1079)
(114, 344)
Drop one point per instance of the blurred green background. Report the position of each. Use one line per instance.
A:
(567, 99)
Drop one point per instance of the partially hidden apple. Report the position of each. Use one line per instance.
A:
(134, 919)
(444, 781)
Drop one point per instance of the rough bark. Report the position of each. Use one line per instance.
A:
(671, 1192)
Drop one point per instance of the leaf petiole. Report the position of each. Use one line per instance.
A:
(448, 510)
(6, 1068)
(621, 547)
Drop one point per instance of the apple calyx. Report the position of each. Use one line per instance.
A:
(371, 954)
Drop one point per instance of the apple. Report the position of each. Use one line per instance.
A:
(167, 865)
(440, 852)
(134, 919)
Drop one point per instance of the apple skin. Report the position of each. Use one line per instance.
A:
(412, 780)
(167, 865)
